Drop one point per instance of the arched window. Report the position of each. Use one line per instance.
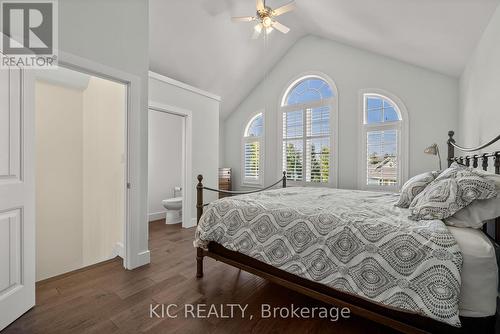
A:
(253, 137)
(383, 162)
(309, 126)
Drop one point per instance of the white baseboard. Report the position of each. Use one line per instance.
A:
(173, 222)
(189, 224)
(141, 259)
(118, 250)
(156, 216)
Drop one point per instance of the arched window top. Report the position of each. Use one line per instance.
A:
(380, 109)
(254, 127)
(307, 89)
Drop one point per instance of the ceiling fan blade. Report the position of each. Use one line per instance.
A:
(284, 9)
(243, 19)
(280, 27)
(260, 5)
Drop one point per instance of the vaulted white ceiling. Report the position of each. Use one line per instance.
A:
(194, 41)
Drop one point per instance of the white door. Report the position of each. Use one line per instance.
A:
(17, 195)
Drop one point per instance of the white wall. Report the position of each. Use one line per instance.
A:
(165, 160)
(59, 175)
(431, 100)
(479, 117)
(205, 126)
(115, 33)
(103, 169)
(80, 175)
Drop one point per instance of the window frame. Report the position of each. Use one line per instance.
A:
(334, 135)
(259, 182)
(402, 140)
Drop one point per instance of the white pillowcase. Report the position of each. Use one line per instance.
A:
(479, 211)
(476, 214)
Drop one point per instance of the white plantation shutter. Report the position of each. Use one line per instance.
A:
(318, 144)
(293, 144)
(382, 163)
(252, 160)
(307, 144)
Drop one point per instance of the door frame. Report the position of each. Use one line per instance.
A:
(187, 157)
(134, 231)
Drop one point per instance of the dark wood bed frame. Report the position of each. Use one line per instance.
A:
(399, 320)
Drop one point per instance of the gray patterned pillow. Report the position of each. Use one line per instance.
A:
(451, 191)
(413, 187)
(452, 171)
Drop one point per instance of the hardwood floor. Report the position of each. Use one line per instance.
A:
(108, 299)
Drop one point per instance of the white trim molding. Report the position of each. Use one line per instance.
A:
(156, 216)
(187, 157)
(136, 227)
(165, 79)
(141, 259)
(118, 250)
(402, 140)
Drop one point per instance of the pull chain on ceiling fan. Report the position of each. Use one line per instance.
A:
(266, 17)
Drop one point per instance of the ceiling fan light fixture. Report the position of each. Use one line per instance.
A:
(258, 27)
(267, 22)
(269, 30)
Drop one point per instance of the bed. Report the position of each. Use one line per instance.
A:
(356, 249)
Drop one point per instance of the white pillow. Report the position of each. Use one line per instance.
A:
(476, 214)
(479, 211)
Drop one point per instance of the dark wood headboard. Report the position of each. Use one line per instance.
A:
(472, 160)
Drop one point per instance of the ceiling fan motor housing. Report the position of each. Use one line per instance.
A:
(263, 13)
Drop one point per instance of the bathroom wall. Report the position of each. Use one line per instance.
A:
(205, 133)
(165, 160)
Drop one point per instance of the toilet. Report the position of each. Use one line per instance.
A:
(174, 209)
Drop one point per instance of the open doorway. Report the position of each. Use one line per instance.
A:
(166, 152)
(80, 170)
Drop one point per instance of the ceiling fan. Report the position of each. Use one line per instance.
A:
(266, 18)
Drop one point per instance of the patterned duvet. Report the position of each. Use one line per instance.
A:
(354, 241)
